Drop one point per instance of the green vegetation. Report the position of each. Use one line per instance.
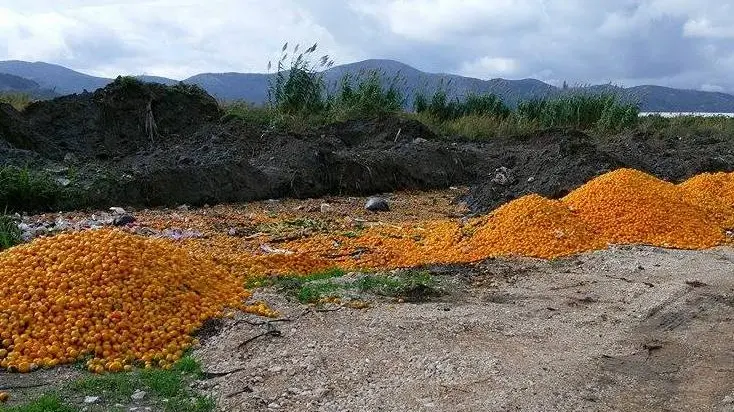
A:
(10, 234)
(45, 403)
(166, 390)
(18, 100)
(686, 126)
(399, 285)
(312, 288)
(300, 100)
(23, 189)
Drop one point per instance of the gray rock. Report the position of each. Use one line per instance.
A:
(377, 204)
(123, 220)
(503, 176)
(418, 140)
(326, 208)
(91, 399)
(138, 395)
(118, 210)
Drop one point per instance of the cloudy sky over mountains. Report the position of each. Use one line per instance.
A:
(679, 43)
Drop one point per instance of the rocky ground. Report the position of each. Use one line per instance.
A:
(629, 329)
(625, 329)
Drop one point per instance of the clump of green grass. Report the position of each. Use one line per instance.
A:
(23, 189)
(306, 288)
(579, 110)
(440, 107)
(10, 234)
(159, 384)
(686, 126)
(405, 284)
(19, 101)
(368, 94)
(298, 86)
(45, 403)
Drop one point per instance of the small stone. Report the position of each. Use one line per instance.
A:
(232, 231)
(531, 179)
(276, 369)
(326, 208)
(273, 405)
(183, 208)
(503, 176)
(419, 140)
(63, 181)
(118, 210)
(123, 220)
(377, 204)
(91, 399)
(138, 395)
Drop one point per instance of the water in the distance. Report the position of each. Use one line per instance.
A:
(676, 114)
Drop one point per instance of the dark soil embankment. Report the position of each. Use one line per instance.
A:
(148, 145)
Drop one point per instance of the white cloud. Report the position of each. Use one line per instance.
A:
(703, 27)
(166, 37)
(442, 20)
(682, 43)
(489, 67)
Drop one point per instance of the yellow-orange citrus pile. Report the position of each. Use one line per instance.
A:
(621, 207)
(532, 226)
(630, 207)
(120, 297)
(714, 193)
(109, 294)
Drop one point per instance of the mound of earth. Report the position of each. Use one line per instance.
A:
(551, 163)
(144, 144)
(121, 119)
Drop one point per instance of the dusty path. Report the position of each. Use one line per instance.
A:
(631, 329)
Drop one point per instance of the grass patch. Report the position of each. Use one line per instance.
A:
(166, 390)
(686, 126)
(10, 234)
(19, 101)
(26, 190)
(410, 284)
(45, 403)
(306, 288)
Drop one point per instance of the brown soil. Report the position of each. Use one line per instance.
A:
(631, 329)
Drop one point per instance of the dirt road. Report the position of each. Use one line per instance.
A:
(627, 329)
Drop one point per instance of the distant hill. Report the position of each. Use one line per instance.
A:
(252, 87)
(15, 84)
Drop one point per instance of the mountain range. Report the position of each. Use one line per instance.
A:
(44, 80)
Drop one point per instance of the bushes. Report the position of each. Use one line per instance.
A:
(366, 95)
(18, 100)
(442, 109)
(603, 111)
(25, 190)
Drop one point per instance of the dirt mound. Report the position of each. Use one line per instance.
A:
(551, 163)
(122, 118)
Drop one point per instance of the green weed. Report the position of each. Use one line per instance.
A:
(10, 234)
(45, 403)
(19, 101)
(367, 95)
(405, 284)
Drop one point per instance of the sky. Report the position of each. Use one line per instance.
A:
(677, 43)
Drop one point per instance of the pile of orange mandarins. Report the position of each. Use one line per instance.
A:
(113, 296)
(123, 299)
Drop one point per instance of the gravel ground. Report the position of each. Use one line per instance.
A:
(626, 329)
